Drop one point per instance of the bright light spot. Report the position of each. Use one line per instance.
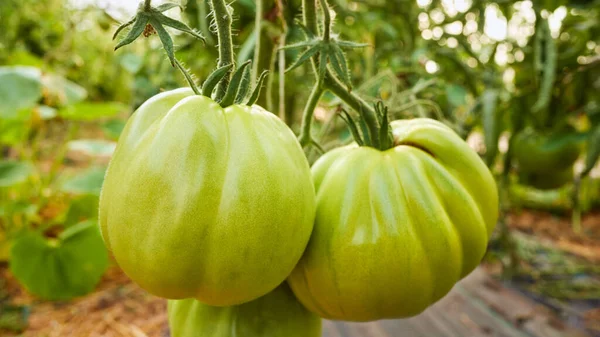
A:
(503, 142)
(519, 56)
(597, 50)
(565, 36)
(431, 67)
(472, 62)
(508, 77)
(437, 15)
(427, 34)
(449, 8)
(452, 42)
(510, 58)
(437, 33)
(583, 60)
(555, 20)
(423, 21)
(423, 3)
(470, 27)
(591, 45)
(501, 56)
(471, 17)
(454, 28)
(495, 23)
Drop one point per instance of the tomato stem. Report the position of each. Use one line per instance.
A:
(147, 5)
(188, 77)
(305, 138)
(225, 42)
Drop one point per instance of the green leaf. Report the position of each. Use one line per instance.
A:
(14, 172)
(167, 21)
(306, 55)
(131, 62)
(139, 25)
(63, 90)
(340, 65)
(167, 6)
(214, 78)
(88, 111)
(113, 128)
(93, 147)
(593, 150)
(20, 88)
(82, 208)
(165, 39)
(457, 95)
(62, 268)
(491, 124)
(13, 132)
(87, 182)
(234, 85)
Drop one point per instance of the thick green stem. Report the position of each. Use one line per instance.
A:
(326, 21)
(305, 138)
(354, 101)
(309, 15)
(226, 55)
(281, 62)
(147, 5)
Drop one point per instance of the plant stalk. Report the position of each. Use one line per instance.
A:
(225, 42)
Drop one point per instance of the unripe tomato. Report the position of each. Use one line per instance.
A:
(277, 314)
(205, 202)
(547, 180)
(542, 153)
(395, 229)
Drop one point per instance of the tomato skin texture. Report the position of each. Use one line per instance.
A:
(540, 153)
(207, 203)
(395, 229)
(277, 314)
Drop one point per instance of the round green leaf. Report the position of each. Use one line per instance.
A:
(62, 268)
(88, 111)
(63, 90)
(87, 182)
(14, 172)
(20, 88)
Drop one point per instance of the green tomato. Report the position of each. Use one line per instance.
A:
(547, 180)
(277, 314)
(541, 153)
(395, 229)
(204, 202)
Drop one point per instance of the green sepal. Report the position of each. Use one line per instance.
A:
(234, 85)
(244, 87)
(352, 126)
(139, 24)
(214, 78)
(257, 88)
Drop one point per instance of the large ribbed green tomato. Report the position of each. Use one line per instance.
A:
(395, 229)
(205, 202)
(277, 314)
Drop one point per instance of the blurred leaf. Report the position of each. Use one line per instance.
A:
(62, 90)
(113, 128)
(23, 57)
(14, 172)
(86, 182)
(47, 112)
(13, 132)
(132, 62)
(20, 88)
(62, 268)
(491, 124)
(93, 147)
(13, 318)
(88, 111)
(457, 95)
(593, 150)
(82, 208)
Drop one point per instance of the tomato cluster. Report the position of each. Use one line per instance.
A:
(216, 208)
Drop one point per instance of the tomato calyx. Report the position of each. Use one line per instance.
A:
(237, 89)
(368, 132)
